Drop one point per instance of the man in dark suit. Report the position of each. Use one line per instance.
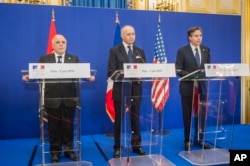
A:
(60, 101)
(190, 58)
(126, 52)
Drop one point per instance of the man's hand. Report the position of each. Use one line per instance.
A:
(25, 78)
(91, 78)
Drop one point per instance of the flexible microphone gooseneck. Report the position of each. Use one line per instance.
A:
(140, 56)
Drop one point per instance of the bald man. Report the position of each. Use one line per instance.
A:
(126, 52)
(60, 101)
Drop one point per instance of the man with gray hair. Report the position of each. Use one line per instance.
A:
(126, 52)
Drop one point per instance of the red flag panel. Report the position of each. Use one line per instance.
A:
(52, 33)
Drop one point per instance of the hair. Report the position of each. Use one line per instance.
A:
(192, 29)
(53, 38)
(124, 27)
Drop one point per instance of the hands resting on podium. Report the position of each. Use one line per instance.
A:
(91, 78)
(26, 78)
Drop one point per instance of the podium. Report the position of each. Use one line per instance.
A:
(213, 114)
(71, 76)
(144, 75)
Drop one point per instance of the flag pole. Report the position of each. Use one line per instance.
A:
(116, 18)
(115, 42)
(161, 131)
(53, 15)
(52, 32)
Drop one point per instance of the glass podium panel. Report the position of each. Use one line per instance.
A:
(47, 116)
(213, 123)
(149, 121)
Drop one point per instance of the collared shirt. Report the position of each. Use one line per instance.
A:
(194, 51)
(126, 47)
(62, 59)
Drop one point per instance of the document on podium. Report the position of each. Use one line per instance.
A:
(148, 70)
(56, 70)
(227, 70)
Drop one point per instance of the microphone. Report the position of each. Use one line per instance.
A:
(139, 55)
(116, 74)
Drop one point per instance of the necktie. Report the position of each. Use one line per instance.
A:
(59, 59)
(197, 57)
(130, 54)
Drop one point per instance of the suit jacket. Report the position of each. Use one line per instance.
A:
(118, 56)
(186, 63)
(56, 93)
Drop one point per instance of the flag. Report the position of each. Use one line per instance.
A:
(52, 33)
(118, 38)
(108, 99)
(160, 86)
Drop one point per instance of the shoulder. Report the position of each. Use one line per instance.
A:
(117, 47)
(204, 47)
(46, 57)
(184, 48)
(71, 55)
(138, 48)
(71, 58)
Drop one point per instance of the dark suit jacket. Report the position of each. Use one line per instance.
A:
(56, 93)
(118, 56)
(186, 63)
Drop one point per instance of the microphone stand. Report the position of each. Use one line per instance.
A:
(140, 56)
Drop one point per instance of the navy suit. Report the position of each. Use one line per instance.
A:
(117, 57)
(186, 64)
(60, 100)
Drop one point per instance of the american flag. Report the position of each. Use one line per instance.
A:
(160, 87)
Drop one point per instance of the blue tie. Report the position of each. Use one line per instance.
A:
(59, 59)
(197, 57)
(130, 54)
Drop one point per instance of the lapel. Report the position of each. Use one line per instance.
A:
(51, 58)
(190, 52)
(202, 55)
(68, 59)
(134, 52)
(123, 52)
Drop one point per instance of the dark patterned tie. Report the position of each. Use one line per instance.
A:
(130, 54)
(59, 59)
(197, 57)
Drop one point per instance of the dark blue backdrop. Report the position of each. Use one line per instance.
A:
(90, 33)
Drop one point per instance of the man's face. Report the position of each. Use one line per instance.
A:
(196, 38)
(128, 35)
(59, 44)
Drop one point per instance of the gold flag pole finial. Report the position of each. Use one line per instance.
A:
(116, 18)
(53, 15)
(159, 18)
